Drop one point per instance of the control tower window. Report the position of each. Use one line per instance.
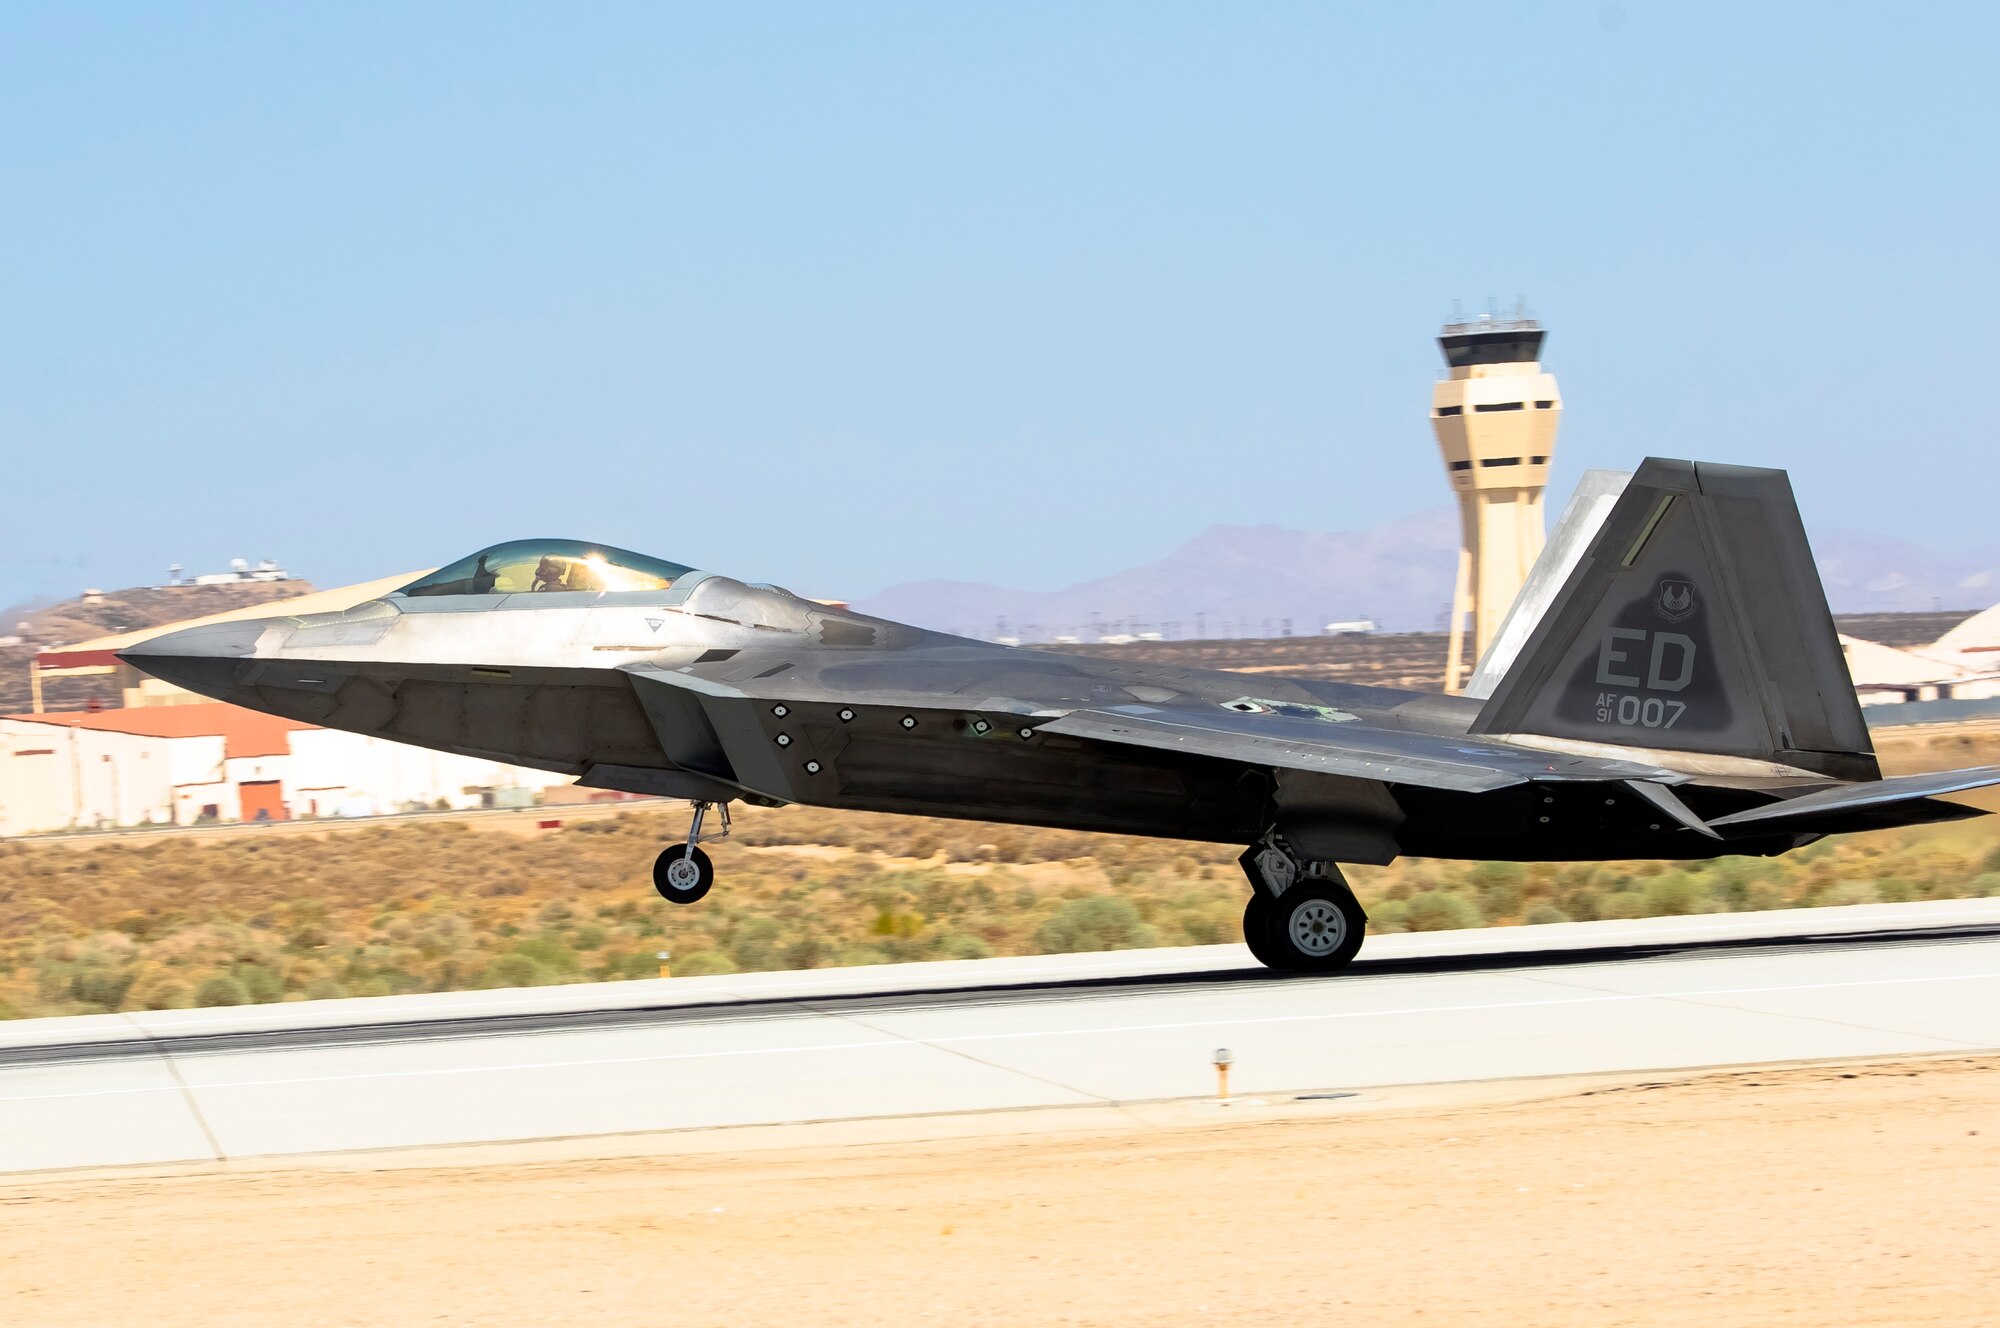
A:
(541, 566)
(1500, 461)
(1545, 405)
(1451, 410)
(1499, 405)
(1508, 342)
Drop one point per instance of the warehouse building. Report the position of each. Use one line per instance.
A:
(207, 762)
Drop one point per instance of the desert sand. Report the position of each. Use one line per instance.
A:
(1817, 1195)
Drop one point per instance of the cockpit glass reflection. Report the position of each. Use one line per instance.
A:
(541, 566)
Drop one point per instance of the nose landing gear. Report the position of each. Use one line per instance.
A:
(1302, 917)
(682, 873)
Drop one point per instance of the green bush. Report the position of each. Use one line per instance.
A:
(515, 970)
(1851, 892)
(702, 963)
(1388, 917)
(1896, 890)
(622, 966)
(101, 985)
(1501, 886)
(1938, 887)
(807, 952)
(1441, 910)
(756, 944)
(221, 990)
(1101, 922)
(166, 996)
(962, 945)
(1673, 893)
(1763, 896)
(1623, 904)
(263, 985)
(550, 953)
(1542, 914)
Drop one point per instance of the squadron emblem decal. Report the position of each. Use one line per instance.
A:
(1675, 599)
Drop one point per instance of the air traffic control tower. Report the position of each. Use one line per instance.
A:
(1495, 416)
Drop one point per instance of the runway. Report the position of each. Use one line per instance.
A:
(991, 1035)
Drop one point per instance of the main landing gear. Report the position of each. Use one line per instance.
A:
(1301, 917)
(682, 873)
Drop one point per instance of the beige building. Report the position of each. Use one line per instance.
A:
(1973, 645)
(169, 757)
(203, 762)
(54, 777)
(1962, 665)
(1495, 417)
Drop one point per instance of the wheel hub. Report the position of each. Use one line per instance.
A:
(683, 874)
(1317, 928)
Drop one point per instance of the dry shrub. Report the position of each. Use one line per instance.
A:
(169, 921)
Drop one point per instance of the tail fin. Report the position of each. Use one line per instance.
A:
(1576, 529)
(1695, 621)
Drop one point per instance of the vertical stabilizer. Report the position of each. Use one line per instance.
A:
(1693, 621)
(1582, 518)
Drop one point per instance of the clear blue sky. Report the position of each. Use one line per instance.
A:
(845, 295)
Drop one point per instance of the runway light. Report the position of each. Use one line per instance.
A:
(664, 971)
(1223, 1060)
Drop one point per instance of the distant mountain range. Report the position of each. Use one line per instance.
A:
(1249, 580)
(1871, 574)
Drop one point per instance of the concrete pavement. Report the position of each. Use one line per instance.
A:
(1049, 1031)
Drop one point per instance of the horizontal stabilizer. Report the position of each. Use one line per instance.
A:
(1829, 806)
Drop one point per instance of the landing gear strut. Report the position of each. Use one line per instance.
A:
(1301, 916)
(682, 873)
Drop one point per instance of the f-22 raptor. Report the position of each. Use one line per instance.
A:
(1682, 695)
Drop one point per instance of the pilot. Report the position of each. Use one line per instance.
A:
(549, 573)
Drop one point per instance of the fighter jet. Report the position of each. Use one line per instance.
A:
(1682, 696)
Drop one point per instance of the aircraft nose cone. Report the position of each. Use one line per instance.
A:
(209, 659)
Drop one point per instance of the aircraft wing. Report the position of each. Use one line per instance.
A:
(1351, 748)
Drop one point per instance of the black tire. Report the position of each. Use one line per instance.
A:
(1260, 928)
(670, 874)
(1316, 927)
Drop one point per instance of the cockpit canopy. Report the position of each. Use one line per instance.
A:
(527, 566)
